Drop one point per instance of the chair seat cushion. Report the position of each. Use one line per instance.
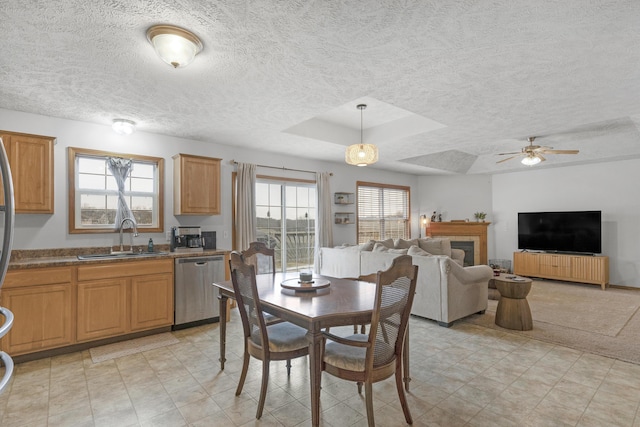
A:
(349, 357)
(283, 336)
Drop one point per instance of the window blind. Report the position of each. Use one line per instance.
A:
(383, 212)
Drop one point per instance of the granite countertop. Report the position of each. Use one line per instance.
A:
(23, 259)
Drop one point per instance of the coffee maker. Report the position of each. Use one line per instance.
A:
(186, 239)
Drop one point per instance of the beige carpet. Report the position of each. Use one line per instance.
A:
(126, 348)
(583, 317)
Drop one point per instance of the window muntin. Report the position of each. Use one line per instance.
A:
(93, 192)
(383, 212)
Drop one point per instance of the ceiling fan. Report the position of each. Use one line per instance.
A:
(533, 153)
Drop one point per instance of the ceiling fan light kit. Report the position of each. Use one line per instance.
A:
(530, 160)
(533, 153)
(361, 154)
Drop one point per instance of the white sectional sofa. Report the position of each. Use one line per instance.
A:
(446, 291)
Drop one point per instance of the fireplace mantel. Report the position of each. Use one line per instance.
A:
(462, 231)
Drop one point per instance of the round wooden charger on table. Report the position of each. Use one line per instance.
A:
(298, 286)
(513, 310)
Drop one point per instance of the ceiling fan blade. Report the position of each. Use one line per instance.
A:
(559, 151)
(542, 159)
(508, 158)
(508, 154)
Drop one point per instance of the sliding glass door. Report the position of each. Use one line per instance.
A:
(286, 213)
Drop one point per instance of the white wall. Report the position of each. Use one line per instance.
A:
(610, 187)
(40, 231)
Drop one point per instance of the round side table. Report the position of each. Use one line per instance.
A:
(513, 310)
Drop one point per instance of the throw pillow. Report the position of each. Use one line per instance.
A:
(415, 250)
(388, 243)
(367, 247)
(437, 246)
(379, 247)
(404, 244)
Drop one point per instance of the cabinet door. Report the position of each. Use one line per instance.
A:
(42, 318)
(102, 309)
(196, 185)
(31, 162)
(590, 269)
(525, 264)
(151, 301)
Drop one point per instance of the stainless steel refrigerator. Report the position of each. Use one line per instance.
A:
(7, 211)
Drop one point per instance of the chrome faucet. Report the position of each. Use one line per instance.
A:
(134, 234)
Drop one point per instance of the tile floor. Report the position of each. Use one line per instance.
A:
(462, 376)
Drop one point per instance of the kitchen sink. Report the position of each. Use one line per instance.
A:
(119, 255)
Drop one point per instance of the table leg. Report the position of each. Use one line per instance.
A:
(315, 373)
(223, 329)
(405, 361)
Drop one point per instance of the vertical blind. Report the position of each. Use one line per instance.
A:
(383, 212)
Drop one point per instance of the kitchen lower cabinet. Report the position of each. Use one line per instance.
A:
(151, 301)
(102, 309)
(123, 297)
(42, 302)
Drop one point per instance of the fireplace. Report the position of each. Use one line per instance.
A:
(468, 248)
(475, 232)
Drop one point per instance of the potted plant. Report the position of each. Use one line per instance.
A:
(480, 216)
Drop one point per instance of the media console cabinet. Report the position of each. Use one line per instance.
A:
(570, 268)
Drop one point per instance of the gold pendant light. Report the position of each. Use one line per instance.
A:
(361, 154)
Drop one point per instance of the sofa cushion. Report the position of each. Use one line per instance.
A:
(437, 246)
(404, 244)
(415, 250)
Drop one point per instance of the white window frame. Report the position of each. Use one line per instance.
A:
(75, 193)
(381, 211)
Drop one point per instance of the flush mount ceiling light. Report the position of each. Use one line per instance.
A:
(123, 127)
(361, 154)
(530, 160)
(176, 46)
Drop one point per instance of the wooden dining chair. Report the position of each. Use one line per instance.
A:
(262, 257)
(280, 341)
(367, 359)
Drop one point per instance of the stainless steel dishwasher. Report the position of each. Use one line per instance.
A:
(196, 300)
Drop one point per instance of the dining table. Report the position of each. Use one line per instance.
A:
(337, 302)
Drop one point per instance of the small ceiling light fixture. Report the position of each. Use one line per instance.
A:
(361, 154)
(123, 127)
(530, 160)
(176, 46)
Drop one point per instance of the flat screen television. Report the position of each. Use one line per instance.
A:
(569, 232)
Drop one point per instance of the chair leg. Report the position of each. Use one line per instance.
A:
(243, 375)
(263, 388)
(401, 395)
(288, 367)
(368, 394)
(359, 384)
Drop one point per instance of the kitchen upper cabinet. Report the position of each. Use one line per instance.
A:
(31, 163)
(42, 304)
(196, 185)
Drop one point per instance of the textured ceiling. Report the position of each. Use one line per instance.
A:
(489, 74)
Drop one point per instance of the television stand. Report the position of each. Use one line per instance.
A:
(593, 269)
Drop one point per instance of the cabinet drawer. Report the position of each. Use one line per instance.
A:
(37, 276)
(124, 269)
